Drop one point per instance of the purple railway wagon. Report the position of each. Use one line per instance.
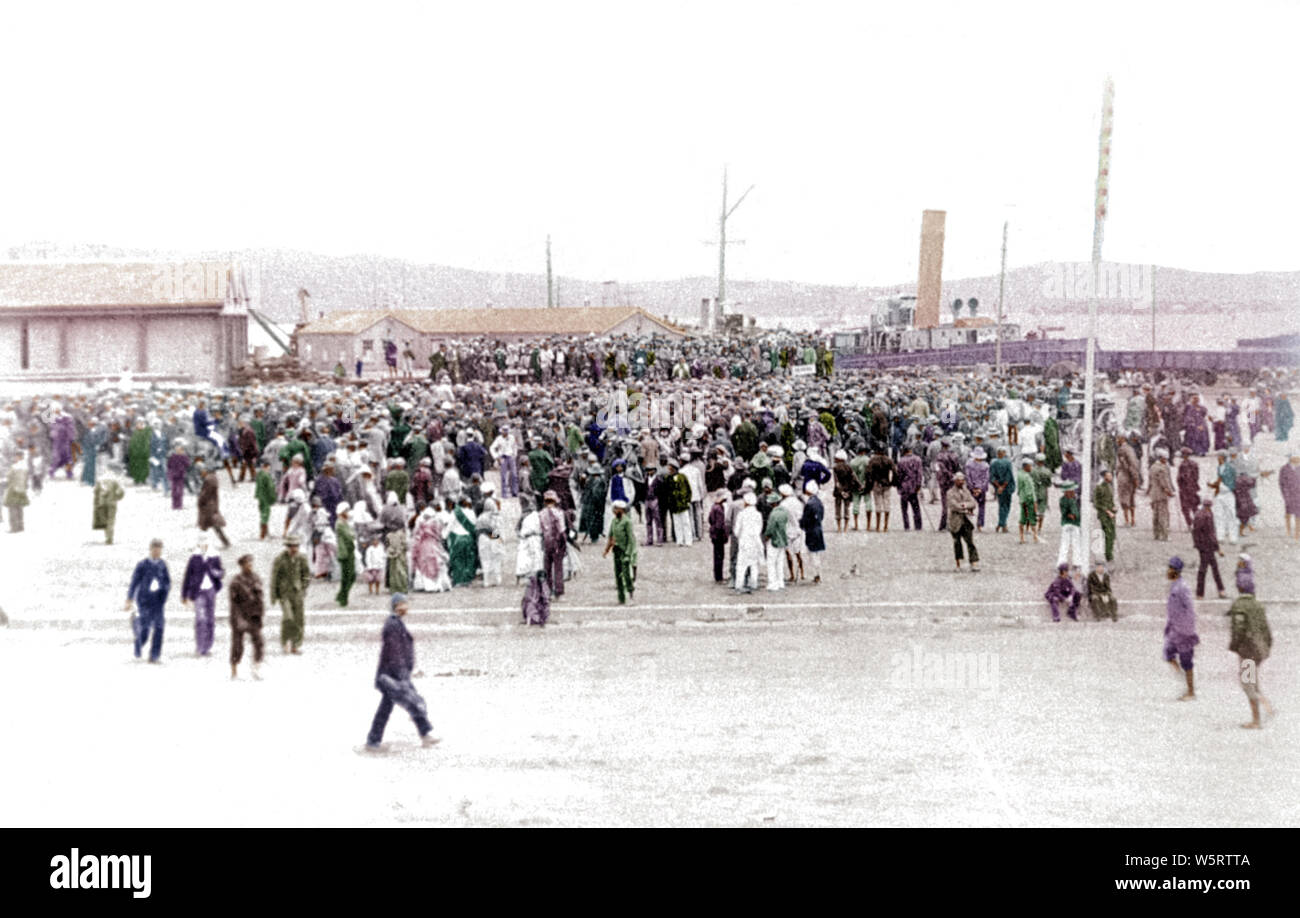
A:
(1040, 354)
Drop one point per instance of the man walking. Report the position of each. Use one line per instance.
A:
(290, 575)
(246, 611)
(150, 584)
(209, 507)
(107, 493)
(1206, 542)
(1251, 642)
(1180, 626)
(1160, 489)
(199, 589)
(393, 678)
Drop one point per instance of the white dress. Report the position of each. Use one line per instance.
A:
(529, 559)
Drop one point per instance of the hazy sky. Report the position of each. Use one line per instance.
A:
(463, 133)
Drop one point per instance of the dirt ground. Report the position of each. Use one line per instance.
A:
(814, 706)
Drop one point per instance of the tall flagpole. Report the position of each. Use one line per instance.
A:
(1002, 282)
(1090, 365)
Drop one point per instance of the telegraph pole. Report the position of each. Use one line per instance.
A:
(1090, 364)
(1002, 283)
(550, 287)
(1153, 309)
(724, 214)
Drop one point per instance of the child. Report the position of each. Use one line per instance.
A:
(1100, 598)
(376, 561)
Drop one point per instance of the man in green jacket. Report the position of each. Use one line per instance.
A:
(1251, 639)
(107, 493)
(1028, 492)
(622, 540)
(397, 480)
(540, 464)
(1103, 499)
(290, 575)
(1042, 488)
(264, 491)
(347, 551)
(679, 505)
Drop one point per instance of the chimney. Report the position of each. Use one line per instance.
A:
(706, 314)
(930, 273)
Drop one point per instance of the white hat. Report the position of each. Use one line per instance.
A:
(775, 450)
(841, 454)
(810, 486)
(342, 508)
(750, 498)
(620, 505)
(785, 490)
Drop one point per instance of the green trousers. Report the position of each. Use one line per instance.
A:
(1108, 529)
(291, 625)
(622, 575)
(348, 576)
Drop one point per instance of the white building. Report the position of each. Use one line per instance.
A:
(181, 322)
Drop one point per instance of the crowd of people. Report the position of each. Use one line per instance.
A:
(409, 483)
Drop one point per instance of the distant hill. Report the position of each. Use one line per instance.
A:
(1194, 309)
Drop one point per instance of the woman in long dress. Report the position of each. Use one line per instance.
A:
(529, 563)
(491, 551)
(461, 544)
(326, 542)
(429, 555)
(529, 558)
(399, 571)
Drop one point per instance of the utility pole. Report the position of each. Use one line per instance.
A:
(550, 287)
(1153, 309)
(724, 214)
(1002, 283)
(1090, 364)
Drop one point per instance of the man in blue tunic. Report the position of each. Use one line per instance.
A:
(148, 590)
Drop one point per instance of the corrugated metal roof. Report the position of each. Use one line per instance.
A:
(577, 320)
(106, 283)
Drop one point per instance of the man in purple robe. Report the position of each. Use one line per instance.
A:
(1194, 433)
(977, 482)
(1062, 589)
(553, 526)
(1206, 541)
(1180, 626)
(911, 476)
(330, 491)
(178, 467)
(1288, 479)
(62, 432)
(818, 437)
(945, 467)
(1189, 486)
